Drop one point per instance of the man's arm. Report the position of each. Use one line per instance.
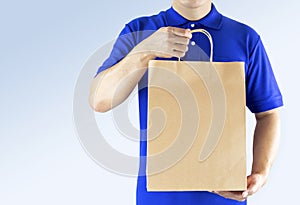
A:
(265, 147)
(112, 86)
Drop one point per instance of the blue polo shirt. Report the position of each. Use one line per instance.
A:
(233, 41)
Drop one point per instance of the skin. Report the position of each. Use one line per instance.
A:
(112, 86)
(265, 147)
(192, 9)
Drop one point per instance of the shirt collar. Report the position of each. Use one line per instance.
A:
(212, 20)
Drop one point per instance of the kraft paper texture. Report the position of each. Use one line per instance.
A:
(196, 126)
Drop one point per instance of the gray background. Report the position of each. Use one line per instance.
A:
(43, 46)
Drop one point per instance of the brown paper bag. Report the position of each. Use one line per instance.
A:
(196, 125)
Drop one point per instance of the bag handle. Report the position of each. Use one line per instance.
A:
(207, 34)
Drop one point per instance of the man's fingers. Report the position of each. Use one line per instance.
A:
(167, 42)
(177, 49)
(182, 40)
(180, 48)
(253, 185)
(180, 32)
(178, 54)
(235, 195)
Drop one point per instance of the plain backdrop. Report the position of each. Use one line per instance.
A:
(43, 46)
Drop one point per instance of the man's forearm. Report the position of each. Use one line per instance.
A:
(112, 86)
(266, 141)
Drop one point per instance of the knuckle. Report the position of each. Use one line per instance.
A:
(169, 29)
(251, 192)
(187, 41)
(186, 49)
(171, 37)
(181, 54)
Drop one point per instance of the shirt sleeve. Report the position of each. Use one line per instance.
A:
(123, 45)
(262, 91)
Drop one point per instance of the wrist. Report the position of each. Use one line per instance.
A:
(141, 58)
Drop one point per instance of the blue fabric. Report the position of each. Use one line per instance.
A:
(233, 41)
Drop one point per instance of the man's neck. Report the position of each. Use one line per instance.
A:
(192, 13)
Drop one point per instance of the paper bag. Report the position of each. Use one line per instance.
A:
(196, 126)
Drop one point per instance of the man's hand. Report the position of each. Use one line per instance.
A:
(265, 147)
(254, 182)
(166, 42)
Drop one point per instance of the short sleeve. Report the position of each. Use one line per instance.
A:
(123, 45)
(262, 91)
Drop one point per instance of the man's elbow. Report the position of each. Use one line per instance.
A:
(101, 105)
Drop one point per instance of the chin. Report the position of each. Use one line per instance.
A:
(194, 3)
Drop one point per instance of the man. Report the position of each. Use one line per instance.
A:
(171, 38)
